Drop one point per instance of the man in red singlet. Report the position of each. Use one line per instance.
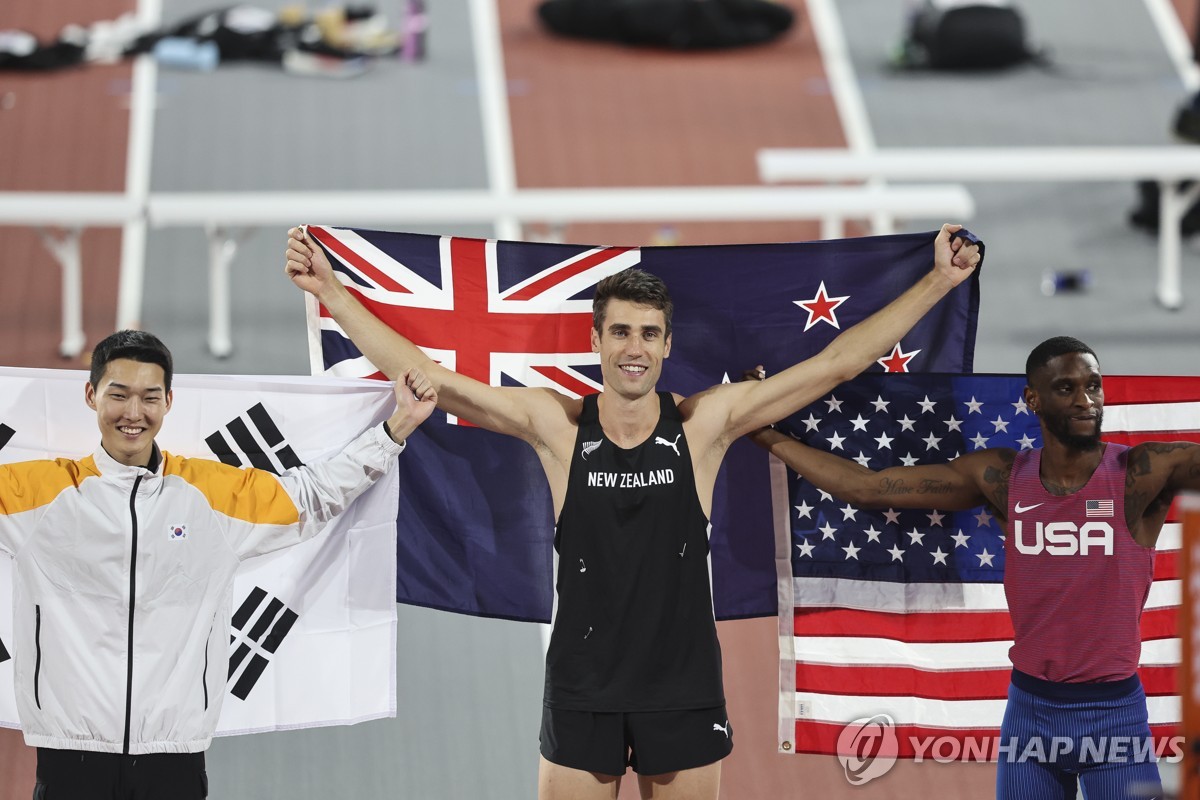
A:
(1075, 583)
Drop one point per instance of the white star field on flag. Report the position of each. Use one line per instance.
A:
(864, 422)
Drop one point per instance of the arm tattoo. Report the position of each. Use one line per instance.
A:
(1167, 447)
(1137, 466)
(892, 487)
(1140, 458)
(995, 480)
(1148, 493)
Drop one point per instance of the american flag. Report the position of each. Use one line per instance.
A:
(1098, 508)
(475, 519)
(902, 612)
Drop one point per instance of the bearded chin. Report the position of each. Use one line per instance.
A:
(1075, 441)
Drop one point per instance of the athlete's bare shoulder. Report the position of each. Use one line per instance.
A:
(711, 402)
(991, 470)
(1155, 472)
(553, 418)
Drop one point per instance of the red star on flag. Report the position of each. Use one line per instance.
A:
(897, 360)
(821, 308)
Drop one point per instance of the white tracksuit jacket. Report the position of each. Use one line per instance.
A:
(123, 578)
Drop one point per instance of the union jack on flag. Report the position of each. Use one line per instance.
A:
(476, 526)
(466, 306)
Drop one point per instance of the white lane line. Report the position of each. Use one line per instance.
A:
(137, 173)
(493, 109)
(1175, 39)
(843, 84)
(839, 71)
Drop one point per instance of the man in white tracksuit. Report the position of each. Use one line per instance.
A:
(123, 565)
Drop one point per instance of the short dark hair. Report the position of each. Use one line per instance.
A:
(634, 286)
(1053, 348)
(136, 346)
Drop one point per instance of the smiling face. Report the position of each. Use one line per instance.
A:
(130, 401)
(632, 343)
(1067, 394)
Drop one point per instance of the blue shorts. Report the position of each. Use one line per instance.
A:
(1055, 736)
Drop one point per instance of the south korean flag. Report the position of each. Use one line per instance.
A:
(312, 626)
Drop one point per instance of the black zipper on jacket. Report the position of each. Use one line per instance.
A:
(132, 596)
(37, 645)
(204, 676)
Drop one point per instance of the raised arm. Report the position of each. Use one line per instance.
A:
(524, 413)
(963, 483)
(415, 400)
(743, 407)
(265, 512)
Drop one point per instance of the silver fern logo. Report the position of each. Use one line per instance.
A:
(590, 447)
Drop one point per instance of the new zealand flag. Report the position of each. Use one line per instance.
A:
(475, 522)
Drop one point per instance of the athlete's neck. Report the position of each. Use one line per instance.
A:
(1065, 469)
(628, 422)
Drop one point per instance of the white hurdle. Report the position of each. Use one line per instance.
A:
(227, 216)
(1168, 165)
(71, 212)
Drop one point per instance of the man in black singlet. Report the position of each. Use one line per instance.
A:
(633, 673)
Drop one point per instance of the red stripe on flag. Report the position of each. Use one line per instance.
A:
(1132, 439)
(355, 260)
(559, 275)
(940, 626)
(1166, 565)
(981, 684)
(566, 380)
(1142, 390)
(1160, 623)
(821, 738)
(1159, 681)
(978, 684)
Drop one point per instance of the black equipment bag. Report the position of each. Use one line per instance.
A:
(965, 36)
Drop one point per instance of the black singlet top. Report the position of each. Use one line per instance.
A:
(633, 626)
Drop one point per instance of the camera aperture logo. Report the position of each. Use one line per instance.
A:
(868, 748)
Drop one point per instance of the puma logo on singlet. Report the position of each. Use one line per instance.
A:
(722, 728)
(1020, 509)
(673, 445)
(589, 447)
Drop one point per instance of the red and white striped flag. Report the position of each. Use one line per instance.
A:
(902, 613)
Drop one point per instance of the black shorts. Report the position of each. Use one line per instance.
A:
(652, 742)
(79, 775)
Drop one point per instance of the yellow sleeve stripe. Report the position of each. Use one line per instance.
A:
(250, 495)
(27, 485)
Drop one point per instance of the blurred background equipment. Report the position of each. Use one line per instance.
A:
(956, 35)
(677, 24)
